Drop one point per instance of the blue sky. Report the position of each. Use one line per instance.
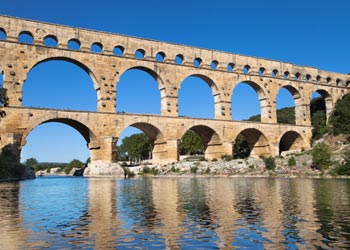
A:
(313, 33)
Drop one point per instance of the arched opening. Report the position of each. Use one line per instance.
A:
(138, 92)
(2, 96)
(96, 48)
(140, 54)
(246, 69)
(60, 83)
(50, 41)
(319, 112)
(230, 67)
(291, 141)
(214, 64)
(160, 57)
(285, 105)
(179, 59)
(274, 73)
(197, 62)
(246, 100)
(251, 143)
(74, 44)
(25, 37)
(209, 143)
(57, 141)
(3, 35)
(261, 71)
(141, 142)
(118, 50)
(196, 97)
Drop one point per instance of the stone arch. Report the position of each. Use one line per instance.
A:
(263, 101)
(3, 35)
(328, 99)
(298, 103)
(26, 37)
(81, 65)
(156, 77)
(50, 41)
(257, 142)
(213, 88)
(156, 138)
(79, 126)
(291, 140)
(210, 139)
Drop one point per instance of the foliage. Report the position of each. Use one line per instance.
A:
(340, 117)
(291, 162)
(344, 169)
(135, 148)
(270, 163)
(10, 166)
(174, 169)
(241, 147)
(31, 162)
(127, 172)
(226, 157)
(321, 156)
(191, 144)
(193, 170)
(73, 164)
(286, 115)
(147, 170)
(3, 97)
(207, 171)
(214, 160)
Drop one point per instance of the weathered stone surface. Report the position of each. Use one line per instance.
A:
(102, 129)
(100, 169)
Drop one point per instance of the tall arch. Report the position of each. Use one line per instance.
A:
(211, 141)
(327, 99)
(61, 82)
(285, 107)
(249, 104)
(197, 97)
(138, 91)
(291, 140)
(257, 143)
(50, 133)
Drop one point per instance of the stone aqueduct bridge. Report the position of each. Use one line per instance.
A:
(169, 64)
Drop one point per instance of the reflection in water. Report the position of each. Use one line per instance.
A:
(178, 213)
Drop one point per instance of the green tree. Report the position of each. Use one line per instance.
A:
(31, 162)
(135, 147)
(3, 96)
(318, 117)
(191, 144)
(340, 117)
(73, 164)
(241, 148)
(321, 156)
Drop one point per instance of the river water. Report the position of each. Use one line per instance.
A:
(175, 213)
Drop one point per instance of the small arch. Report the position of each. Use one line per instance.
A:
(307, 78)
(3, 35)
(160, 56)
(179, 59)
(197, 62)
(291, 140)
(96, 47)
(347, 84)
(50, 41)
(285, 74)
(246, 69)
(118, 50)
(318, 79)
(256, 144)
(339, 82)
(328, 80)
(274, 73)
(25, 37)
(297, 76)
(261, 71)
(140, 54)
(74, 44)
(230, 67)
(214, 64)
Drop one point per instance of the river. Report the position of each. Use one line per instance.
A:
(175, 213)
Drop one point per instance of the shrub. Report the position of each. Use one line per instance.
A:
(193, 170)
(291, 162)
(227, 157)
(270, 163)
(207, 171)
(321, 156)
(214, 159)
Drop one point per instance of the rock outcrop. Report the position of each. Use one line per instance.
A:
(100, 168)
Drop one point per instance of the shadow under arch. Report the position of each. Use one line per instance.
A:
(328, 101)
(211, 141)
(258, 143)
(263, 102)
(154, 75)
(156, 138)
(291, 140)
(298, 105)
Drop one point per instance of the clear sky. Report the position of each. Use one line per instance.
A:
(308, 32)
